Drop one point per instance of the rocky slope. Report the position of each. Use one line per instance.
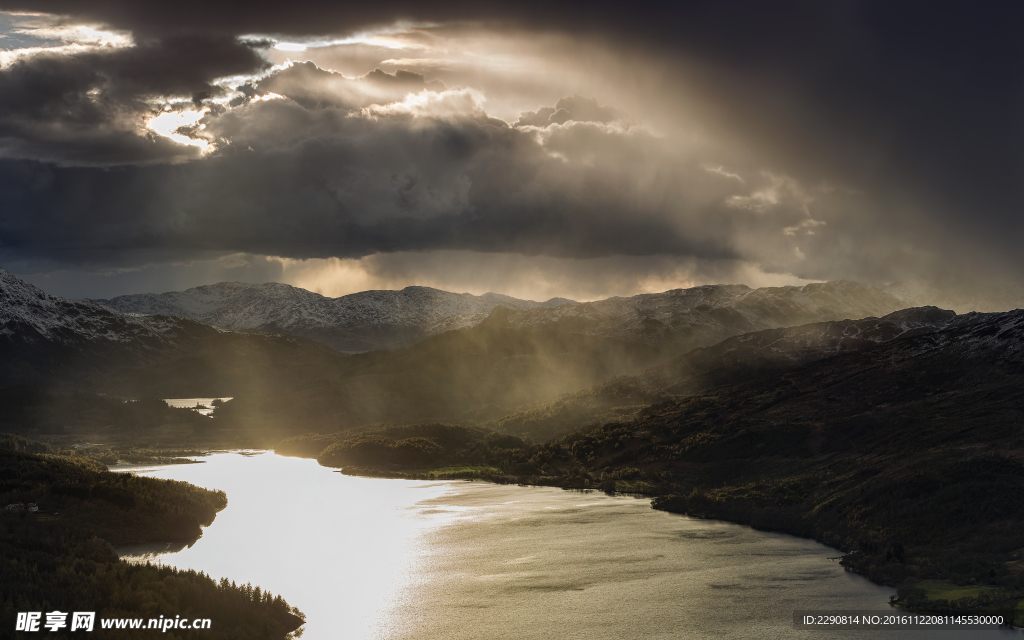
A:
(363, 321)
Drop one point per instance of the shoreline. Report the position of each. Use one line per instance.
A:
(670, 503)
(662, 499)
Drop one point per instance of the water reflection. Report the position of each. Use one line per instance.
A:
(394, 559)
(334, 546)
(202, 405)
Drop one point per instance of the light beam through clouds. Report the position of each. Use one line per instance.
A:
(544, 161)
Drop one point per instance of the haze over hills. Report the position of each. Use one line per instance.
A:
(983, 297)
(732, 361)
(510, 359)
(678, 320)
(364, 321)
(682, 319)
(515, 358)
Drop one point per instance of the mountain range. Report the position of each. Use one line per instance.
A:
(682, 319)
(679, 319)
(510, 359)
(80, 345)
(364, 321)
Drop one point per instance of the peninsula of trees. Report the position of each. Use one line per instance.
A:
(57, 547)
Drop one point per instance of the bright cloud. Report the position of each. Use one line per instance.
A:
(431, 104)
(182, 127)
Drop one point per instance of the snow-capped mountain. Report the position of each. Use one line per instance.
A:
(81, 345)
(363, 321)
(373, 320)
(29, 315)
(688, 318)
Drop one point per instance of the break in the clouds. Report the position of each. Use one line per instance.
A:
(455, 141)
(84, 95)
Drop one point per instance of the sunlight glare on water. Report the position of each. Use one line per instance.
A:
(335, 547)
(401, 560)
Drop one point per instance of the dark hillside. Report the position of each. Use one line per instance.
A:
(918, 443)
(732, 361)
(473, 373)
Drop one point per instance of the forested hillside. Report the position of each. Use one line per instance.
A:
(61, 556)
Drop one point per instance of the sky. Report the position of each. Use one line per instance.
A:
(527, 148)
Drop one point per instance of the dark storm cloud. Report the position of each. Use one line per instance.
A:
(88, 106)
(307, 17)
(177, 65)
(931, 87)
(326, 182)
(911, 110)
(919, 105)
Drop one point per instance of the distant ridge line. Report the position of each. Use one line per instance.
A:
(389, 319)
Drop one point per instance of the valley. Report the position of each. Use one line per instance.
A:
(718, 402)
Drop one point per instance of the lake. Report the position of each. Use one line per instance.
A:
(202, 405)
(373, 559)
